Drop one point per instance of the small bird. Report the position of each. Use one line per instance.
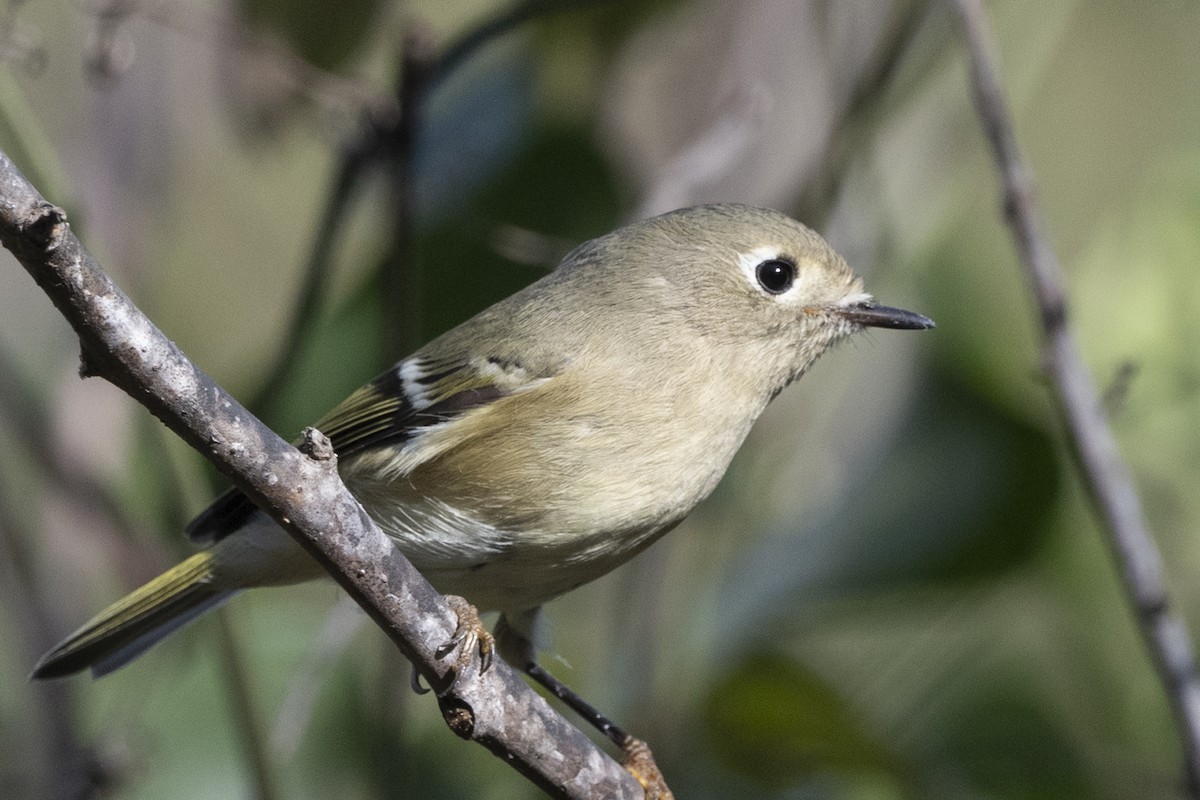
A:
(551, 437)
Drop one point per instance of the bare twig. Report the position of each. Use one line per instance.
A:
(22, 407)
(242, 708)
(316, 277)
(401, 278)
(386, 138)
(858, 109)
(1104, 472)
(69, 769)
(459, 51)
(302, 492)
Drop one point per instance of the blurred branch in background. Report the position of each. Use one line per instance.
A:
(860, 106)
(296, 709)
(243, 709)
(710, 155)
(19, 46)
(400, 278)
(23, 409)
(1089, 436)
(111, 50)
(302, 492)
(67, 768)
(387, 139)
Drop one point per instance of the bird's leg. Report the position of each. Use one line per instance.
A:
(638, 761)
(583, 708)
(636, 758)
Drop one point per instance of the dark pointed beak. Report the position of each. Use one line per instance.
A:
(872, 315)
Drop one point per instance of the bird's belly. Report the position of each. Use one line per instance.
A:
(499, 569)
(515, 583)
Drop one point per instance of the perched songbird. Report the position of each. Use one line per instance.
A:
(553, 436)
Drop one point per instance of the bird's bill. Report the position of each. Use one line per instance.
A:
(872, 315)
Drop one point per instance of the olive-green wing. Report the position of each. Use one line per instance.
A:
(389, 411)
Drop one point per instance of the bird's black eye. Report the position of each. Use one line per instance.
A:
(775, 275)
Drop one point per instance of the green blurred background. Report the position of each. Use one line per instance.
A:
(897, 592)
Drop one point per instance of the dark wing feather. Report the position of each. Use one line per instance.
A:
(226, 514)
(389, 411)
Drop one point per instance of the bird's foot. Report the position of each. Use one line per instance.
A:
(469, 635)
(638, 761)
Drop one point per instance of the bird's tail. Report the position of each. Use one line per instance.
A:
(130, 626)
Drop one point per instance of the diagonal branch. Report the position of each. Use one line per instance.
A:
(301, 491)
(1104, 473)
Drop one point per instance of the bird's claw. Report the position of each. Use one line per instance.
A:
(638, 761)
(469, 635)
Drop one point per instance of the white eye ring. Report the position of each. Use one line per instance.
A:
(769, 270)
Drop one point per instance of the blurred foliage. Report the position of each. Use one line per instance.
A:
(775, 721)
(1002, 743)
(898, 591)
(325, 34)
(972, 505)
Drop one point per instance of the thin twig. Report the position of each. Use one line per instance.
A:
(401, 276)
(459, 51)
(244, 711)
(22, 407)
(316, 279)
(302, 492)
(1104, 473)
(860, 106)
(386, 138)
(68, 769)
